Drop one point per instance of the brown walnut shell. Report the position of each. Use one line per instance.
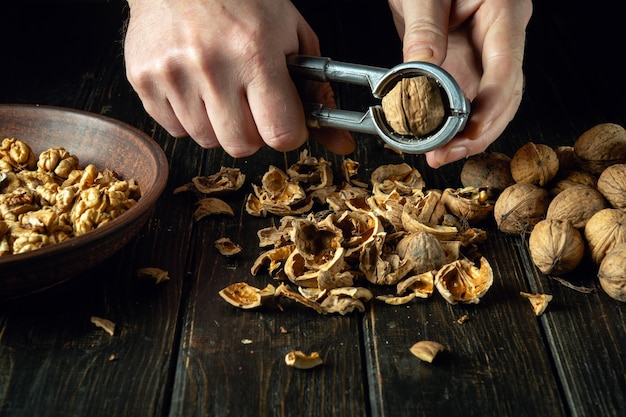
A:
(414, 106)
(612, 273)
(491, 170)
(470, 203)
(556, 247)
(534, 163)
(520, 207)
(612, 185)
(576, 204)
(568, 179)
(605, 230)
(601, 146)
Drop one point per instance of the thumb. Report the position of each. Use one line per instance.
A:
(425, 30)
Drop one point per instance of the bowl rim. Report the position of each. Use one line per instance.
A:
(131, 215)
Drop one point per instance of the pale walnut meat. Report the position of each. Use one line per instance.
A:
(16, 154)
(414, 106)
(463, 282)
(57, 161)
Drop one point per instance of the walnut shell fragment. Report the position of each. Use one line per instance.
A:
(225, 180)
(227, 247)
(426, 350)
(539, 302)
(462, 281)
(301, 360)
(105, 324)
(159, 275)
(414, 106)
(210, 206)
(245, 296)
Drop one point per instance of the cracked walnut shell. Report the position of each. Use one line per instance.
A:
(462, 281)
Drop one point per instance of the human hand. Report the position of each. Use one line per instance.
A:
(481, 44)
(216, 70)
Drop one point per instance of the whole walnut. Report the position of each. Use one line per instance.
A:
(534, 163)
(605, 230)
(414, 106)
(519, 207)
(568, 179)
(568, 160)
(556, 247)
(612, 185)
(576, 204)
(612, 273)
(491, 170)
(601, 146)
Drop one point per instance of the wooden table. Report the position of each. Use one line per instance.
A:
(180, 350)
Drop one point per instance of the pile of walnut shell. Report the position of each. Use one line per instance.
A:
(393, 241)
(571, 200)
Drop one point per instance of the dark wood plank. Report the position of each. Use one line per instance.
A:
(53, 360)
(232, 361)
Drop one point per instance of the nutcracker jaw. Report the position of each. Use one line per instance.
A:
(380, 81)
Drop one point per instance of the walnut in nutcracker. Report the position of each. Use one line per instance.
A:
(414, 106)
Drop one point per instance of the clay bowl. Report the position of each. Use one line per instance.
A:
(104, 142)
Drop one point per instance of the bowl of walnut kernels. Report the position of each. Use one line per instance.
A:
(75, 187)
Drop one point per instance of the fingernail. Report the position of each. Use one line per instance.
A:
(419, 53)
